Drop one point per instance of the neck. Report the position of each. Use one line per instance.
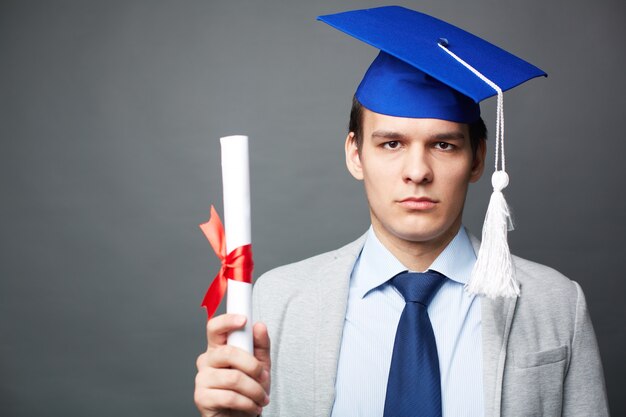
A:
(416, 255)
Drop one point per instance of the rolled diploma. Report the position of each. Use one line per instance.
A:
(236, 184)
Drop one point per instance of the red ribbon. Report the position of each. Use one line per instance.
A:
(237, 265)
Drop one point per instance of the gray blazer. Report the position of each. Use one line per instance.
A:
(540, 356)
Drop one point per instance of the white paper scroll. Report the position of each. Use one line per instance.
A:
(236, 184)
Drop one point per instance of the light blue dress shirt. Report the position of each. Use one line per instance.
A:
(374, 309)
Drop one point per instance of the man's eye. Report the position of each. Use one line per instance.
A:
(391, 144)
(443, 145)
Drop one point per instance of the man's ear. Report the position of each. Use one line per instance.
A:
(478, 165)
(353, 157)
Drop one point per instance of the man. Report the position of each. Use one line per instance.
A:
(351, 335)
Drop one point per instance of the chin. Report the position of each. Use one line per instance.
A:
(418, 237)
(422, 231)
(417, 234)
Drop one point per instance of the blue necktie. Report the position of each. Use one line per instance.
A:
(414, 387)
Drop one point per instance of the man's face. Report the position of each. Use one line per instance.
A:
(416, 173)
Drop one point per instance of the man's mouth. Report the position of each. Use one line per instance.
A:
(418, 203)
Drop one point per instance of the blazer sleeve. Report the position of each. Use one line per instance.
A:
(584, 390)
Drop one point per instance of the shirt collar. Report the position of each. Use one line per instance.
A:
(376, 265)
(457, 259)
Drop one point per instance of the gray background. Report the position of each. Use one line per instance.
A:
(110, 114)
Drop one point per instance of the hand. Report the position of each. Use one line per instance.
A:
(231, 381)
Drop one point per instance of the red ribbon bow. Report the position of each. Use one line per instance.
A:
(236, 265)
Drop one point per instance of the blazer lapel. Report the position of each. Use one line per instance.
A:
(333, 283)
(496, 316)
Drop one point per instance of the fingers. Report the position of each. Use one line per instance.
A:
(232, 357)
(211, 401)
(218, 328)
(233, 380)
(230, 378)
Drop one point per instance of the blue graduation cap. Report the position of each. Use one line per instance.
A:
(416, 76)
(428, 68)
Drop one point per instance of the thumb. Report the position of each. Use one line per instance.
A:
(262, 345)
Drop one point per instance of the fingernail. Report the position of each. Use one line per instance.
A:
(259, 410)
(266, 400)
(265, 375)
(241, 320)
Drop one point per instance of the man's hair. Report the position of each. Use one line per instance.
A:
(477, 129)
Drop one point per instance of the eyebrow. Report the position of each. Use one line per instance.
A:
(391, 135)
(388, 134)
(449, 136)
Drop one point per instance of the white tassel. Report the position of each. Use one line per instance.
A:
(493, 274)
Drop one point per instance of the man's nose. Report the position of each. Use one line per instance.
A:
(417, 166)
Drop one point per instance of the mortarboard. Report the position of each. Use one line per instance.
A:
(414, 77)
(428, 68)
